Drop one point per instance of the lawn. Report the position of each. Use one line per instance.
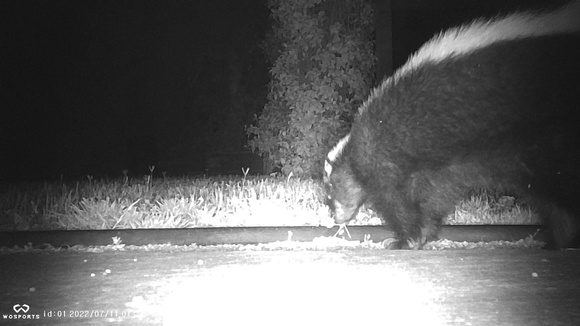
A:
(229, 201)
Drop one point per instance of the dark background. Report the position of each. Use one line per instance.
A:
(95, 87)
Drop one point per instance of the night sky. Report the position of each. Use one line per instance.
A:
(96, 87)
(90, 86)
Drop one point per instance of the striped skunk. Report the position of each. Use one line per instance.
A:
(492, 104)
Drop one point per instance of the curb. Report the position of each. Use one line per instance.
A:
(255, 235)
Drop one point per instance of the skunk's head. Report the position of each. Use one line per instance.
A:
(344, 195)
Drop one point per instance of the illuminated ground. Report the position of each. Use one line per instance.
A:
(296, 287)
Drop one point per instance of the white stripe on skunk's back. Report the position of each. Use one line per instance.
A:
(337, 150)
(334, 153)
(481, 33)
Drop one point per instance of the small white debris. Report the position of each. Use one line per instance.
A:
(136, 303)
(33, 289)
(199, 262)
(341, 230)
(138, 299)
(534, 274)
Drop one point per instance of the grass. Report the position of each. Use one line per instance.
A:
(203, 202)
(486, 207)
(162, 203)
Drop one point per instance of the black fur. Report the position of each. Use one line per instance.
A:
(506, 116)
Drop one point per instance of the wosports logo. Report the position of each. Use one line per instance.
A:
(20, 312)
(18, 308)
